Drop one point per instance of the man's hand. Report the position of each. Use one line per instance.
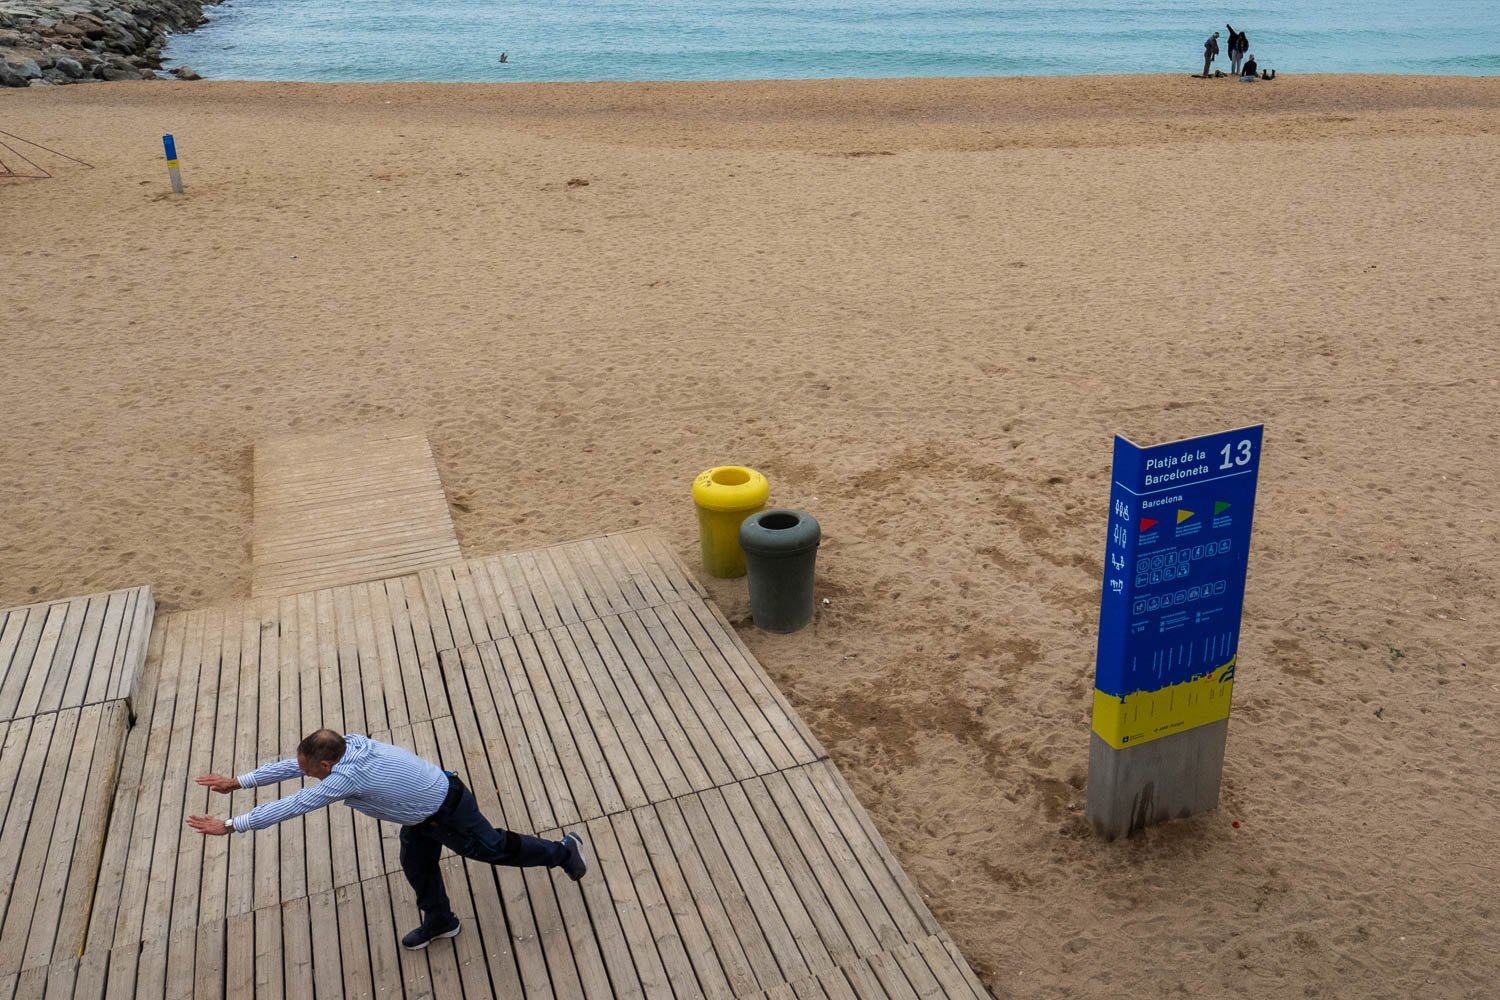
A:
(219, 783)
(208, 824)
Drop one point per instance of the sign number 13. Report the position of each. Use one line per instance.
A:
(1235, 454)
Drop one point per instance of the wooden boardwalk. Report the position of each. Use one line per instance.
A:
(68, 676)
(356, 505)
(587, 687)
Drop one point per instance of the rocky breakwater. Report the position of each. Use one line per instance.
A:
(78, 41)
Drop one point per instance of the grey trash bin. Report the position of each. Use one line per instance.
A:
(781, 548)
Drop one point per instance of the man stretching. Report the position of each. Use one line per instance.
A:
(434, 809)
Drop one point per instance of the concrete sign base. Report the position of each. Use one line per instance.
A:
(1170, 777)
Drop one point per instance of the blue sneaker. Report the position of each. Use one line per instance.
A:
(575, 865)
(424, 936)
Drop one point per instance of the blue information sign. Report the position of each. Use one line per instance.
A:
(1174, 584)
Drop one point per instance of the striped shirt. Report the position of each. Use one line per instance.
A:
(379, 780)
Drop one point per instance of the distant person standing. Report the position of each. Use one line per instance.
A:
(1239, 44)
(1210, 49)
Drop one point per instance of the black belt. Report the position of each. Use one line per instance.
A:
(450, 801)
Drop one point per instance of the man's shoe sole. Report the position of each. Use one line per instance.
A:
(446, 934)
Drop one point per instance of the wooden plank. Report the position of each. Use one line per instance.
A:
(24, 842)
(509, 578)
(114, 632)
(65, 657)
(211, 954)
(239, 896)
(269, 973)
(844, 858)
(327, 956)
(685, 698)
(753, 693)
(609, 866)
(476, 619)
(268, 748)
(500, 621)
(547, 797)
(293, 848)
(964, 968)
(577, 753)
(12, 664)
(381, 639)
(354, 941)
(817, 943)
(437, 614)
(948, 969)
(648, 578)
(827, 913)
(557, 588)
(214, 893)
(571, 677)
(706, 899)
(380, 929)
(654, 764)
(126, 829)
(584, 592)
(404, 651)
(425, 641)
(509, 602)
(610, 583)
(93, 973)
(653, 903)
(577, 932)
(821, 867)
(602, 916)
(739, 737)
(93, 644)
(499, 771)
(368, 854)
(22, 658)
(317, 847)
(891, 976)
(798, 738)
(130, 661)
(887, 875)
(153, 838)
(52, 837)
(536, 585)
(190, 866)
(502, 959)
(87, 818)
(40, 665)
(691, 927)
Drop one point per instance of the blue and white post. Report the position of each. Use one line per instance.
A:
(172, 167)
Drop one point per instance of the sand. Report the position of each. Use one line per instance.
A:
(922, 308)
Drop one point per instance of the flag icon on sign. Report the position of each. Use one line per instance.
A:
(1183, 515)
(1147, 523)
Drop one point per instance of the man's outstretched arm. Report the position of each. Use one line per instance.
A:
(334, 788)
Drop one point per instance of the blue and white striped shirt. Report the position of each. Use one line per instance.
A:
(376, 778)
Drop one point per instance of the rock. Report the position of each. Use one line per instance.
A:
(26, 69)
(11, 79)
(71, 67)
(185, 73)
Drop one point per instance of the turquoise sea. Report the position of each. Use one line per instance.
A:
(461, 40)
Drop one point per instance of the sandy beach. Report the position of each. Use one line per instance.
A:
(922, 308)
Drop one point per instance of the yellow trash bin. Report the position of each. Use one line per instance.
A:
(725, 496)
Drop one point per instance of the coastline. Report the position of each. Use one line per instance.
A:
(922, 308)
(83, 41)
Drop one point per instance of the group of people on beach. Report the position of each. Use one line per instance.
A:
(1241, 60)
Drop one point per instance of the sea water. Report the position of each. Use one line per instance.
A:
(461, 40)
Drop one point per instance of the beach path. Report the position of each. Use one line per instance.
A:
(347, 507)
(587, 686)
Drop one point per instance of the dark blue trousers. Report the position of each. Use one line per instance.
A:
(459, 826)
